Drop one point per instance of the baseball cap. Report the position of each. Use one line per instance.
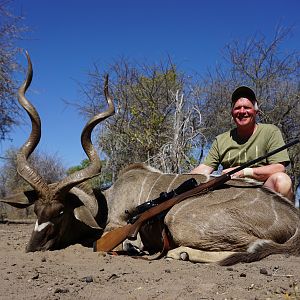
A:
(243, 91)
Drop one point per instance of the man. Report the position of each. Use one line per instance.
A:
(248, 141)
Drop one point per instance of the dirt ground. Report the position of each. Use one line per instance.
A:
(80, 273)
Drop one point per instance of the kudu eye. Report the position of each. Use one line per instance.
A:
(58, 215)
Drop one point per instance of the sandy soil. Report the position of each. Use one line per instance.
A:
(80, 273)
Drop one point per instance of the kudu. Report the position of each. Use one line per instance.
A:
(237, 222)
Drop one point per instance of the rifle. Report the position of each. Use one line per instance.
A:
(115, 237)
(164, 196)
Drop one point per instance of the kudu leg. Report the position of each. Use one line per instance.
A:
(193, 255)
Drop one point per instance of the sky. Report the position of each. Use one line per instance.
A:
(68, 37)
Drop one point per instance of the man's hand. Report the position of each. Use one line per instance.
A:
(239, 174)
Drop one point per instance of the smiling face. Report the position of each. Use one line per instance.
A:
(244, 113)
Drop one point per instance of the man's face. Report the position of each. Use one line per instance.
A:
(243, 113)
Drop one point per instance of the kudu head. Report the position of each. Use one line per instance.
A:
(55, 204)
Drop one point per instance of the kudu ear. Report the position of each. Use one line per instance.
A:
(22, 199)
(87, 212)
(83, 214)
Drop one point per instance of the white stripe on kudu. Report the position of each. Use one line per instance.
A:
(172, 182)
(42, 226)
(142, 189)
(150, 191)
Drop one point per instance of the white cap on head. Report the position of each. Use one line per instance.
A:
(244, 92)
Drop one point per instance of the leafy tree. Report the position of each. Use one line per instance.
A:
(11, 29)
(84, 163)
(149, 112)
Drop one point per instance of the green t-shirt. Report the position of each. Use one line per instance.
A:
(227, 150)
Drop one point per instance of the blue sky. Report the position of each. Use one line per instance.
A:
(69, 36)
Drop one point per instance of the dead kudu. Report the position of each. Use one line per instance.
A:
(237, 222)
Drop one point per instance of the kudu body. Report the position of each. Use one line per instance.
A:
(239, 221)
(236, 222)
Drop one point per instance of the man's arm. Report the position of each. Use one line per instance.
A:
(259, 173)
(202, 169)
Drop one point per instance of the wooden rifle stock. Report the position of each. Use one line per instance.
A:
(113, 238)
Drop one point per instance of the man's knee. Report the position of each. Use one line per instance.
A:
(280, 182)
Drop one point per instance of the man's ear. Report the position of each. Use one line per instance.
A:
(21, 199)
